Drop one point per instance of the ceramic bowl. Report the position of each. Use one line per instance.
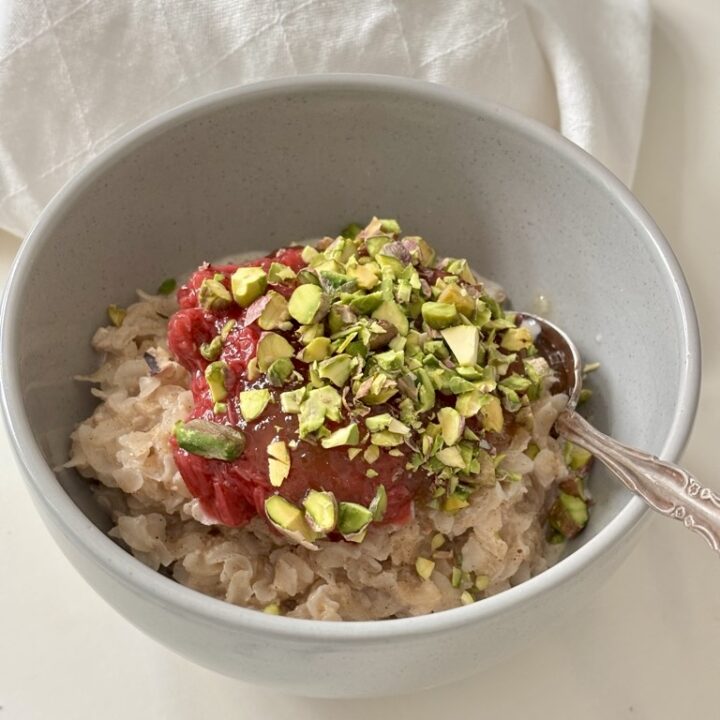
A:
(264, 165)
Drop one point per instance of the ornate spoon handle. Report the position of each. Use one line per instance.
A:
(667, 488)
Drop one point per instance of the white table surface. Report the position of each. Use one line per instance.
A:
(647, 647)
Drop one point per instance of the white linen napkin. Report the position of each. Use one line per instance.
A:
(77, 74)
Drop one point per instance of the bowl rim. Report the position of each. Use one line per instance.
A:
(160, 590)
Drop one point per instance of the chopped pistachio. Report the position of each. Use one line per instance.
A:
(378, 505)
(457, 296)
(308, 304)
(290, 401)
(438, 540)
(464, 341)
(278, 462)
(575, 457)
(568, 515)
(353, 452)
(424, 567)
(391, 312)
(516, 338)
(349, 435)
(390, 226)
(532, 450)
(307, 277)
(321, 511)
(585, 395)
(590, 367)
(219, 408)
(391, 360)
(371, 473)
(289, 520)
(210, 440)
(253, 403)
(378, 422)
(320, 403)
(279, 273)
(353, 520)
(307, 333)
(215, 374)
(452, 425)
(317, 349)
(211, 351)
(371, 454)
(280, 371)
(116, 315)
(439, 315)
(492, 414)
(226, 329)
(167, 286)
(451, 457)
(270, 347)
(482, 582)
(308, 253)
(366, 304)
(248, 284)
(351, 231)
(366, 276)
(272, 609)
(213, 295)
(456, 577)
(385, 438)
(252, 371)
(466, 598)
(337, 369)
(275, 312)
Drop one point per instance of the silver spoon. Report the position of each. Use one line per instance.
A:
(665, 487)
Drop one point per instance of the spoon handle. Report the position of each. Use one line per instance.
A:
(665, 487)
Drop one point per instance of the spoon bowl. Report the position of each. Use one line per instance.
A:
(665, 487)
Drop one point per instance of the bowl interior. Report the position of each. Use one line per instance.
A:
(267, 168)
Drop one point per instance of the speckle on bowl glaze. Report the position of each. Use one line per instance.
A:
(268, 164)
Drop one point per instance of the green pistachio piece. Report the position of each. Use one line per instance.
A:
(279, 273)
(451, 457)
(585, 395)
(332, 281)
(371, 473)
(439, 315)
(340, 317)
(167, 286)
(253, 403)
(456, 577)
(351, 231)
(391, 312)
(390, 361)
(219, 408)
(438, 540)
(389, 261)
(375, 423)
(568, 515)
(226, 329)
(210, 440)
(252, 371)
(390, 226)
(291, 400)
(375, 244)
(272, 609)
(482, 582)
(215, 374)
(278, 462)
(337, 369)
(515, 339)
(457, 296)
(385, 438)
(463, 341)
(307, 277)
(426, 391)
(576, 458)
(308, 304)
(366, 304)
(307, 333)
(452, 425)
(453, 503)
(280, 371)
(353, 520)
(516, 383)
(270, 348)
(366, 276)
(468, 404)
(317, 349)
(289, 520)
(275, 312)
(116, 315)
(320, 403)
(321, 511)
(424, 567)
(248, 284)
(353, 452)
(211, 351)
(378, 505)
(492, 414)
(371, 454)
(395, 426)
(213, 295)
(349, 435)
(309, 253)
(466, 598)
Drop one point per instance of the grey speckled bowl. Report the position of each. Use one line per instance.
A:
(272, 163)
